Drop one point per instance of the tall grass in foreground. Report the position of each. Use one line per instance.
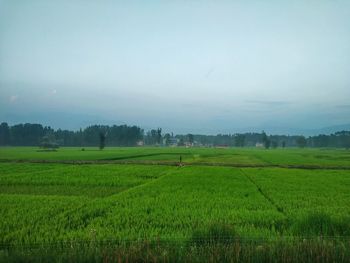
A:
(231, 250)
(217, 243)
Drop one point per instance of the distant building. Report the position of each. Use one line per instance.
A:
(171, 142)
(259, 145)
(188, 144)
(139, 143)
(197, 144)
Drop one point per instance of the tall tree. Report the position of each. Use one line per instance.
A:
(274, 144)
(239, 140)
(266, 140)
(159, 135)
(301, 141)
(102, 140)
(4, 134)
(190, 138)
(181, 142)
(167, 137)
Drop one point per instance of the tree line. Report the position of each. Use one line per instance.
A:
(35, 134)
(339, 140)
(123, 135)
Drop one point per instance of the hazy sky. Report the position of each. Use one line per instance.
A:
(199, 66)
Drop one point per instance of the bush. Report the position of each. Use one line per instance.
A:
(49, 143)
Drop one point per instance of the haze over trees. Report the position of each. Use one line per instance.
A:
(123, 135)
(32, 135)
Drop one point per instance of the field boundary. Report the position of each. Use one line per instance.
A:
(167, 163)
(266, 196)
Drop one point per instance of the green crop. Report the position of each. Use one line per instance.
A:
(220, 196)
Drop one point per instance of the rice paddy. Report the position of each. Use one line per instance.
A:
(142, 195)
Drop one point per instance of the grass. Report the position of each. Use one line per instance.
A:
(300, 192)
(89, 180)
(202, 211)
(234, 156)
(145, 251)
(321, 224)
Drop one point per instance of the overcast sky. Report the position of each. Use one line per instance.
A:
(186, 66)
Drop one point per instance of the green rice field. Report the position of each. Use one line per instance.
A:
(284, 197)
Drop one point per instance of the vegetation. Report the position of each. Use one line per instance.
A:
(123, 135)
(48, 143)
(291, 157)
(266, 140)
(301, 141)
(223, 205)
(32, 134)
(102, 140)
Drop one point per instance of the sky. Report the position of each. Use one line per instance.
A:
(187, 66)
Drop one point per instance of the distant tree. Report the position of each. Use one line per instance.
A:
(274, 144)
(181, 142)
(321, 141)
(154, 136)
(167, 137)
(239, 140)
(266, 140)
(343, 138)
(28, 134)
(190, 138)
(159, 135)
(81, 138)
(346, 142)
(301, 141)
(102, 140)
(5, 134)
(48, 142)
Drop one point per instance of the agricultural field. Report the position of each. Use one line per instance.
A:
(310, 157)
(142, 195)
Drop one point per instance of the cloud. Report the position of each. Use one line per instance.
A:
(190, 105)
(269, 102)
(209, 72)
(13, 98)
(344, 107)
